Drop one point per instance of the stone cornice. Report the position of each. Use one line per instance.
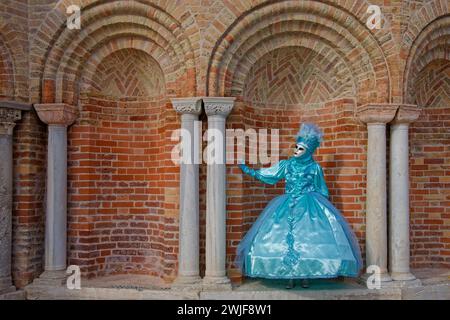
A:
(221, 106)
(377, 113)
(187, 105)
(56, 114)
(407, 113)
(16, 105)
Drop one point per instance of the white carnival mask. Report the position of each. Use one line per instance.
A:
(300, 149)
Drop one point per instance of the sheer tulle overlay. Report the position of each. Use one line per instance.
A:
(299, 235)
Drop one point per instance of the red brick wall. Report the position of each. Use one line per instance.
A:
(430, 169)
(122, 189)
(30, 158)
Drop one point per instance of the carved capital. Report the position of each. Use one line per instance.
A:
(8, 117)
(407, 113)
(56, 114)
(187, 105)
(377, 113)
(220, 106)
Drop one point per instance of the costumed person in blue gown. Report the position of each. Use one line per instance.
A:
(300, 234)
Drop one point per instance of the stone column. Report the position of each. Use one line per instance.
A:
(217, 110)
(189, 242)
(376, 117)
(8, 117)
(399, 193)
(58, 117)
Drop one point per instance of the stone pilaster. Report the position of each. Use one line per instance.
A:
(58, 117)
(189, 243)
(8, 118)
(376, 117)
(399, 248)
(217, 110)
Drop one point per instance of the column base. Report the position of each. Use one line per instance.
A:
(405, 283)
(405, 280)
(385, 279)
(6, 290)
(51, 278)
(402, 276)
(216, 283)
(187, 283)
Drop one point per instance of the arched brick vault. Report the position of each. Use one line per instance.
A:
(426, 54)
(124, 73)
(265, 27)
(307, 77)
(432, 44)
(87, 71)
(58, 55)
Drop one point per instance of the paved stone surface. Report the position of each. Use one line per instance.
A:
(436, 285)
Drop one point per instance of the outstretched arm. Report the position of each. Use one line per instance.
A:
(267, 175)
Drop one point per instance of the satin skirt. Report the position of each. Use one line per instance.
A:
(303, 237)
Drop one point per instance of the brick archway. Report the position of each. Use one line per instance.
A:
(65, 69)
(430, 45)
(61, 52)
(426, 79)
(117, 195)
(264, 27)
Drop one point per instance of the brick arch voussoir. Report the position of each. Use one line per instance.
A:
(232, 37)
(96, 32)
(431, 11)
(86, 71)
(284, 22)
(357, 61)
(431, 44)
(51, 29)
(80, 55)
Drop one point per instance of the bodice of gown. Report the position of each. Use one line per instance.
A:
(300, 179)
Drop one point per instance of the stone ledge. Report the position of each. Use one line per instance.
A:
(255, 290)
(14, 295)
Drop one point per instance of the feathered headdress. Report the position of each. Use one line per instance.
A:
(310, 136)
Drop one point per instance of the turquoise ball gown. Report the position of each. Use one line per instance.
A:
(300, 234)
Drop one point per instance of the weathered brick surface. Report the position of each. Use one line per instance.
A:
(285, 61)
(30, 138)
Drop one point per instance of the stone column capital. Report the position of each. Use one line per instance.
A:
(56, 114)
(192, 105)
(10, 112)
(218, 106)
(377, 113)
(406, 114)
(8, 118)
